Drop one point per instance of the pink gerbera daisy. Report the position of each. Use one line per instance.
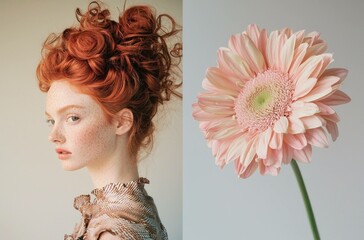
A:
(269, 100)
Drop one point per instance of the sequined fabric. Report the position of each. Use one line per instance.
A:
(122, 209)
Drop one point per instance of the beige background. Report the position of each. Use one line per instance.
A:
(36, 194)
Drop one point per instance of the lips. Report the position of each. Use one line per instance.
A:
(62, 153)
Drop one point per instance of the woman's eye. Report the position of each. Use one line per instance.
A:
(50, 122)
(72, 119)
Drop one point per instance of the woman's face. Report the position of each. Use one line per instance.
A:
(79, 128)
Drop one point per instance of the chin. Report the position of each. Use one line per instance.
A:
(68, 166)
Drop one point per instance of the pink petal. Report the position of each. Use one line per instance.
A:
(302, 109)
(263, 44)
(333, 130)
(317, 94)
(312, 38)
(281, 125)
(272, 50)
(324, 109)
(332, 117)
(263, 143)
(339, 72)
(201, 115)
(247, 50)
(215, 147)
(286, 31)
(248, 152)
(231, 62)
(304, 87)
(262, 168)
(328, 81)
(216, 99)
(253, 33)
(282, 38)
(312, 122)
(276, 140)
(327, 59)
(299, 36)
(253, 55)
(219, 149)
(287, 54)
(337, 98)
(322, 89)
(221, 82)
(217, 125)
(274, 158)
(317, 137)
(303, 155)
(287, 154)
(316, 49)
(235, 149)
(268, 169)
(297, 58)
(222, 133)
(305, 70)
(273, 170)
(217, 110)
(295, 125)
(245, 172)
(296, 141)
(318, 68)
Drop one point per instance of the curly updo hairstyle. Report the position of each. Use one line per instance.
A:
(120, 64)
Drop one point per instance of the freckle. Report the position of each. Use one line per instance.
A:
(95, 141)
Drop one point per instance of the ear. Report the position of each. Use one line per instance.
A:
(123, 121)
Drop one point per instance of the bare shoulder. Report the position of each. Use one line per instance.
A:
(108, 236)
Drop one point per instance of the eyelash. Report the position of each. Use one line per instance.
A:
(73, 117)
(51, 122)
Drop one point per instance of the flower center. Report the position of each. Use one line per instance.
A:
(263, 100)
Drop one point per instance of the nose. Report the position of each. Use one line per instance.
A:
(56, 135)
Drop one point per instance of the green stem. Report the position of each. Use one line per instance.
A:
(306, 199)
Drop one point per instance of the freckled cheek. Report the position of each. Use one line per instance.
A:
(93, 142)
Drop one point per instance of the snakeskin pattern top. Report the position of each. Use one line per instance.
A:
(122, 209)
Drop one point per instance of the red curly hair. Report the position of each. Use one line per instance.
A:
(124, 64)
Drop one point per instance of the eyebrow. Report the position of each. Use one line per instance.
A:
(66, 108)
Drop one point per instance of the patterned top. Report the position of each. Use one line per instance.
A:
(122, 209)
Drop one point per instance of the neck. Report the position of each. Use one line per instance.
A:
(114, 170)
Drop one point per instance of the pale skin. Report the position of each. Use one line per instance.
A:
(79, 126)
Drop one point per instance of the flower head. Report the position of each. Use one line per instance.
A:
(269, 100)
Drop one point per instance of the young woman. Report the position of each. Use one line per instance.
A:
(104, 81)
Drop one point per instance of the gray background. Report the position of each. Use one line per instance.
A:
(36, 199)
(218, 205)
